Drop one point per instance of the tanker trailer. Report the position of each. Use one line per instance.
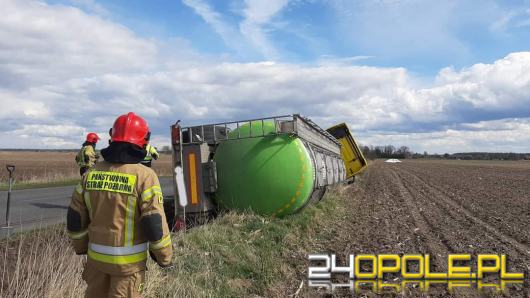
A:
(272, 166)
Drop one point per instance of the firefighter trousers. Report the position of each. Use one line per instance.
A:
(101, 285)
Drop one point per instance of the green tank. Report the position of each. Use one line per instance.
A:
(270, 174)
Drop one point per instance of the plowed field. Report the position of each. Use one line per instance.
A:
(441, 208)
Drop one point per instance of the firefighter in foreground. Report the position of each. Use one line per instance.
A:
(87, 156)
(151, 154)
(116, 215)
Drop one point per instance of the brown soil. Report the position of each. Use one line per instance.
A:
(438, 208)
(43, 167)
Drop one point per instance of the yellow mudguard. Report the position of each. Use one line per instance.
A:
(351, 154)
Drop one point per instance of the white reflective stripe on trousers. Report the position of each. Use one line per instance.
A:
(118, 251)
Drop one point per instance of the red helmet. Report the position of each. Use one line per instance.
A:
(92, 137)
(130, 128)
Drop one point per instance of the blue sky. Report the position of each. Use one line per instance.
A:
(441, 76)
(423, 36)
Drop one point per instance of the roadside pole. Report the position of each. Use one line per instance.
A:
(11, 170)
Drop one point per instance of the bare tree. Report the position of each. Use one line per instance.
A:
(404, 152)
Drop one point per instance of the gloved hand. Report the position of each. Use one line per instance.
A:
(165, 268)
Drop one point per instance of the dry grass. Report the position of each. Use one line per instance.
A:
(50, 167)
(39, 167)
(40, 264)
(235, 255)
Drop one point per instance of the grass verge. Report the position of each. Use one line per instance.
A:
(235, 255)
(243, 254)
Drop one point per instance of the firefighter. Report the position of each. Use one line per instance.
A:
(116, 215)
(151, 154)
(87, 157)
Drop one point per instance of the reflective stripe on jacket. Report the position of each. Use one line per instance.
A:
(151, 152)
(120, 214)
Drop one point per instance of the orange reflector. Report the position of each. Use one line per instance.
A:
(193, 179)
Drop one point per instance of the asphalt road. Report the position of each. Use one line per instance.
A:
(38, 207)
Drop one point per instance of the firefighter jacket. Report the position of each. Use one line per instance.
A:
(87, 157)
(116, 215)
(151, 153)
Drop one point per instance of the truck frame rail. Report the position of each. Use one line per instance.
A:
(294, 124)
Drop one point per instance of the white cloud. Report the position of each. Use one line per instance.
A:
(252, 33)
(503, 85)
(327, 60)
(40, 43)
(258, 15)
(76, 72)
(47, 136)
(229, 34)
(370, 99)
(51, 130)
(506, 135)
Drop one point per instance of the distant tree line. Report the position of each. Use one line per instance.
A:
(390, 151)
(488, 156)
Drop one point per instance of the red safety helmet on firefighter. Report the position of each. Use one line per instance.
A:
(92, 137)
(130, 128)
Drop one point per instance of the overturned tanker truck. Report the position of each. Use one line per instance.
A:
(272, 166)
